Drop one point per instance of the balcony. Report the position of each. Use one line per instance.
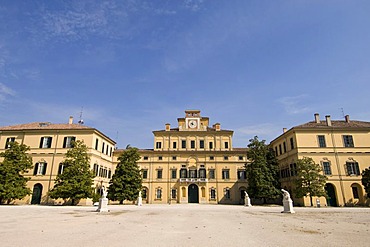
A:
(193, 180)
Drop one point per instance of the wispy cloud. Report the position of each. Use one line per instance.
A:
(5, 92)
(295, 104)
(193, 5)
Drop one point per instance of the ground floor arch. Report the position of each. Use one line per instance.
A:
(193, 193)
(36, 194)
(332, 197)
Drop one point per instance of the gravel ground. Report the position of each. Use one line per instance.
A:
(183, 225)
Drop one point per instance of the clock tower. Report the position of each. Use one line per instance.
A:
(192, 119)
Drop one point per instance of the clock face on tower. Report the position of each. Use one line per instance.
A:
(192, 124)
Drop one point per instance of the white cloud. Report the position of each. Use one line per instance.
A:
(295, 104)
(5, 91)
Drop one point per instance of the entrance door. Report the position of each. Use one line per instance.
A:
(332, 198)
(193, 194)
(36, 194)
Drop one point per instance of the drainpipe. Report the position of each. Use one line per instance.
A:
(52, 166)
(338, 166)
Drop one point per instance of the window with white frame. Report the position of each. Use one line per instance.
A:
(40, 168)
(45, 142)
(225, 174)
(67, 143)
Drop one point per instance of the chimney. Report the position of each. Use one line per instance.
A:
(285, 130)
(217, 126)
(70, 120)
(328, 120)
(168, 127)
(347, 118)
(317, 118)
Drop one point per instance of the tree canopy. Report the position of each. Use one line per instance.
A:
(365, 180)
(76, 179)
(309, 182)
(126, 181)
(16, 162)
(263, 171)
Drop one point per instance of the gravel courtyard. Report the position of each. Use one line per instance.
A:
(183, 225)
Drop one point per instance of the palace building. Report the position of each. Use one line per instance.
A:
(341, 147)
(48, 144)
(193, 163)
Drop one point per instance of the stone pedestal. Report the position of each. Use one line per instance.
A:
(288, 206)
(103, 205)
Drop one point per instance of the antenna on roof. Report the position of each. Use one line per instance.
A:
(81, 121)
(343, 116)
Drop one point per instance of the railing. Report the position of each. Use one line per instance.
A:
(193, 180)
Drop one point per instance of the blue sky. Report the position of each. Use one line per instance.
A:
(254, 66)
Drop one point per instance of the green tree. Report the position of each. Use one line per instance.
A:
(16, 162)
(309, 181)
(262, 172)
(365, 180)
(126, 181)
(76, 180)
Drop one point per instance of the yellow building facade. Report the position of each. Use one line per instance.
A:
(48, 144)
(193, 163)
(341, 147)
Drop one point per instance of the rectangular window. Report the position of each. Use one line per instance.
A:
(322, 142)
(193, 173)
(241, 158)
(40, 168)
(226, 144)
(45, 142)
(103, 147)
(212, 174)
(326, 168)
(352, 168)
(8, 141)
(159, 193)
(183, 173)
(145, 174)
(210, 145)
(192, 144)
(96, 143)
(160, 158)
(242, 174)
(355, 192)
(159, 174)
(284, 147)
(109, 174)
(61, 168)
(174, 145)
(67, 143)
(226, 158)
(183, 144)
(201, 144)
(211, 158)
(291, 143)
(110, 151)
(202, 173)
(174, 158)
(276, 152)
(145, 158)
(213, 194)
(225, 174)
(173, 173)
(227, 193)
(158, 145)
(348, 141)
(280, 150)
(173, 194)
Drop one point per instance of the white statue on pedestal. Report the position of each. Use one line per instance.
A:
(247, 200)
(140, 200)
(103, 202)
(287, 202)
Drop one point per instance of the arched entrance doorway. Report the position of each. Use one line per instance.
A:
(193, 193)
(332, 198)
(36, 194)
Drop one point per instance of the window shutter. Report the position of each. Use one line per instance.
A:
(36, 168)
(357, 169)
(60, 168)
(65, 142)
(73, 139)
(49, 142)
(44, 169)
(41, 141)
